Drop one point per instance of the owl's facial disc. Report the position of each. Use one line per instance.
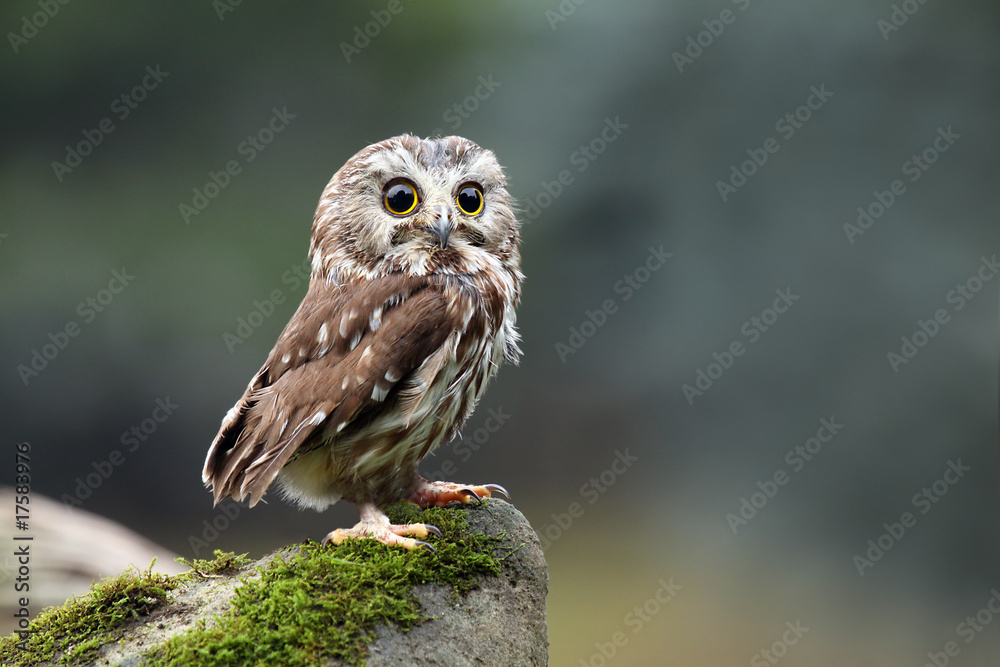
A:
(415, 206)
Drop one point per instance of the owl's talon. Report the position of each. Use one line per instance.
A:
(335, 537)
(497, 488)
(438, 494)
(375, 524)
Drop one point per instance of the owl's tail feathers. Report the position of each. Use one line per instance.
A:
(276, 452)
(224, 455)
(257, 438)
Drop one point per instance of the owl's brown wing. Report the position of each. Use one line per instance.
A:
(341, 354)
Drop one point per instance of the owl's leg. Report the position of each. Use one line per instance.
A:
(438, 494)
(374, 523)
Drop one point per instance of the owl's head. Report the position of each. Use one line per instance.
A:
(417, 206)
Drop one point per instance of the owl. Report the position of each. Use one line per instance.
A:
(409, 312)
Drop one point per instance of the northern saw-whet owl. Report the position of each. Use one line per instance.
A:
(409, 312)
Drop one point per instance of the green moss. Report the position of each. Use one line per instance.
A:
(225, 562)
(72, 633)
(314, 602)
(309, 603)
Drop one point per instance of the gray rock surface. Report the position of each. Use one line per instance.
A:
(500, 623)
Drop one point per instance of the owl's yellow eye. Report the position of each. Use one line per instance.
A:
(400, 197)
(470, 199)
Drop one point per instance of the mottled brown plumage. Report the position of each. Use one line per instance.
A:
(408, 314)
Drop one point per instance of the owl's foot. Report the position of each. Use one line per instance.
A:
(438, 494)
(375, 524)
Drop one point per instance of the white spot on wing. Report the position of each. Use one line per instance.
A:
(376, 319)
(285, 358)
(322, 338)
(318, 417)
(231, 414)
(391, 377)
(379, 394)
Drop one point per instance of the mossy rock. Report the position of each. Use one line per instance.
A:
(479, 600)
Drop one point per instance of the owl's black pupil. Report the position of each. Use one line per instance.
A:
(468, 200)
(400, 198)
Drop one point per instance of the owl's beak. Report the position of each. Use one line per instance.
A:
(441, 226)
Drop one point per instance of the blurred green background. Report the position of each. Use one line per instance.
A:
(687, 95)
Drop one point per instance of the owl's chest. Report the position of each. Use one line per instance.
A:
(456, 381)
